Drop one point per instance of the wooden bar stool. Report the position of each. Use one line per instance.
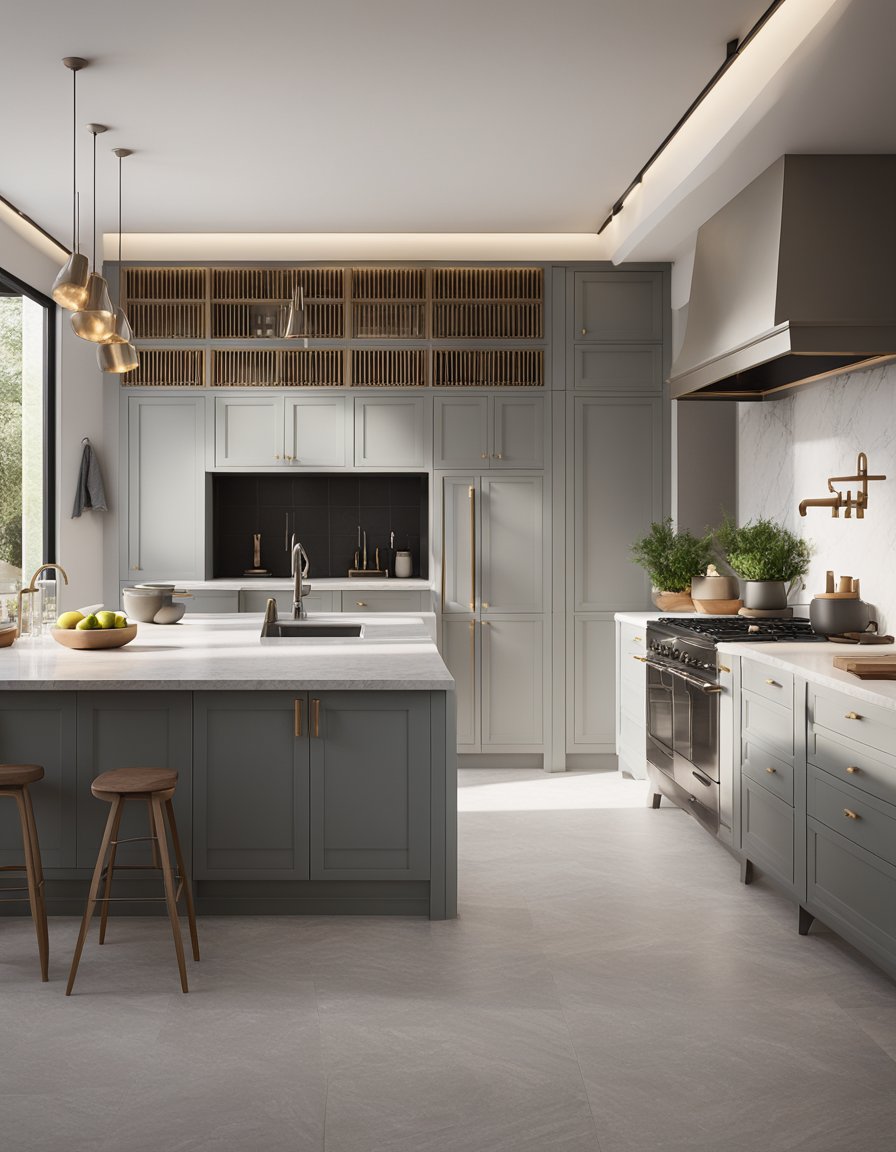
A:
(155, 787)
(14, 781)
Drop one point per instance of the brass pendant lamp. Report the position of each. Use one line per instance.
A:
(95, 320)
(119, 354)
(70, 286)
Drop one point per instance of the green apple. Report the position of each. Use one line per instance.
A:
(121, 621)
(69, 619)
(106, 619)
(88, 623)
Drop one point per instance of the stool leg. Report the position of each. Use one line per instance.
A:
(184, 878)
(38, 869)
(34, 890)
(113, 846)
(169, 890)
(94, 889)
(156, 863)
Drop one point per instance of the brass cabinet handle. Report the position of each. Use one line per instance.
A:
(485, 604)
(472, 654)
(642, 659)
(289, 458)
(315, 718)
(360, 603)
(472, 548)
(638, 639)
(499, 455)
(298, 716)
(852, 716)
(853, 770)
(276, 455)
(773, 683)
(483, 455)
(584, 331)
(771, 770)
(850, 815)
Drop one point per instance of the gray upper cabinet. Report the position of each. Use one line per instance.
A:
(628, 368)
(277, 431)
(618, 307)
(485, 431)
(319, 431)
(617, 470)
(248, 431)
(390, 433)
(165, 479)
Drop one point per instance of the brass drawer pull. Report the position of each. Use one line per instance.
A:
(361, 603)
(315, 718)
(773, 683)
(638, 639)
(771, 771)
(853, 770)
(848, 812)
(852, 716)
(298, 712)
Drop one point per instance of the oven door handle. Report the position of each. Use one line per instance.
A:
(704, 685)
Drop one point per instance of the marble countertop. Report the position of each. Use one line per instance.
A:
(223, 651)
(815, 662)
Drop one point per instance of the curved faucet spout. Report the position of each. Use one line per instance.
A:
(32, 587)
(301, 566)
(835, 503)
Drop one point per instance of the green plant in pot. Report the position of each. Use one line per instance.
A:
(671, 560)
(767, 557)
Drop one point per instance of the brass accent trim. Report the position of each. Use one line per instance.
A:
(297, 707)
(641, 659)
(724, 668)
(853, 770)
(852, 716)
(773, 683)
(315, 718)
(771, 771)
(850, 815)
(472, 548)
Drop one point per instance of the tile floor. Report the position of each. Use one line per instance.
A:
(609, 986)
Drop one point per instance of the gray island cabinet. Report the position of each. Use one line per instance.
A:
(313, 777)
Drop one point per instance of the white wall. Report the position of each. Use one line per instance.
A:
(79, 413)
(788, 448)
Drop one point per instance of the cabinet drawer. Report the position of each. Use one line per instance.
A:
(852, 889)
(854, 719)
(632, 638)
(377, 601)
(256, 600)
(771, 723)
(768, 682)
(867, 822)
(770, 771)
(632, 672)
(852, 765)
(767, 831)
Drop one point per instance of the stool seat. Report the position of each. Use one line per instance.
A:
(133, 781)
(15, 775)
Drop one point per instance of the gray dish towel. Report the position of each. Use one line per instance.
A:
(89, 491)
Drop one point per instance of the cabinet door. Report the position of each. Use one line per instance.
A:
(463, 434)
(248, 431)
(513, 683)
(39, 728)
(319, 431)
(592, 667)
(460, 651)
(617, 492)
(767, 830)
(512, 549)
(370, 786)
(256, 600)
(461, 512)
(251, 768)
(625, 368)
(519, 432)
(131, 730)
(165, 536)
(619, 306)
(389, 432)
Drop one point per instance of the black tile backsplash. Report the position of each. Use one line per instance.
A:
(324, 511)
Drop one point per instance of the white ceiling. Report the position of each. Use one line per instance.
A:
(405, 116)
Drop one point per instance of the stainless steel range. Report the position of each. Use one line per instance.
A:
(683, 690)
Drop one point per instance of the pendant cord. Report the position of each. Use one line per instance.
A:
(120, 158)
(94, 202)
(75, 237)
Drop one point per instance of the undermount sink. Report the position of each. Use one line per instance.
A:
(308, 630)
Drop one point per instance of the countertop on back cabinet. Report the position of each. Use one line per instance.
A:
(815, 662)
(319, 584)
(223, 652)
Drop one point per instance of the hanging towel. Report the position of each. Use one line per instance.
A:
(89, 491)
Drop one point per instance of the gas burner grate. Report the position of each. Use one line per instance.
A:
(742, 628)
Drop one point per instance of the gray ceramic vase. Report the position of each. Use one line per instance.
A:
(765, 595)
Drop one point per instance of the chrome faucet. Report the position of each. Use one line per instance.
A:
(300, 568)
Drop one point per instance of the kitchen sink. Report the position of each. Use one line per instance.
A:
(308, 630)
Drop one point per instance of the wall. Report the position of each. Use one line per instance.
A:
(79, 413)
(787, 449)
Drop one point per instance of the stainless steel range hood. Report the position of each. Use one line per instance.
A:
(794, 280)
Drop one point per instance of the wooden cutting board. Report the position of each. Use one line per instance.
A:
(868, 667)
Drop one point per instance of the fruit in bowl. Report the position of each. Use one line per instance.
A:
(101, 629)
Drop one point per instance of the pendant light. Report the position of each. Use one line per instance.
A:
(119, 354)
(70, 286)
(95, 320)
(296, 318)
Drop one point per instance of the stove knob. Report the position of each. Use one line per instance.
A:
(676, 654)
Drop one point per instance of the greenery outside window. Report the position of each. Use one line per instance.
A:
(27, 431)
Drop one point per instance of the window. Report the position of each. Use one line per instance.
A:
(27, 432)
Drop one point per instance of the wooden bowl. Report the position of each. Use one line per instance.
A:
(7, 634)
(93, 638)
(718, 607)
(673, 601)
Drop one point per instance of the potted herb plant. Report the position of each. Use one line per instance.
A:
(767, 557)
(671, 560)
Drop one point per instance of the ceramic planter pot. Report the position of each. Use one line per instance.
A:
(765, 595)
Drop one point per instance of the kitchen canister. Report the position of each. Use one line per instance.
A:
(403, 564)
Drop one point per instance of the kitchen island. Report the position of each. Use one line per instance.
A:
(314, 775)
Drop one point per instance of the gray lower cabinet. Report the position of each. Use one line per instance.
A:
(320, 786)
(40, 728)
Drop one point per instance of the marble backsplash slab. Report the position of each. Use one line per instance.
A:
(788, 448)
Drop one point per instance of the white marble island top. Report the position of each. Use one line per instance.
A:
(815, 662)
(223, 652)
